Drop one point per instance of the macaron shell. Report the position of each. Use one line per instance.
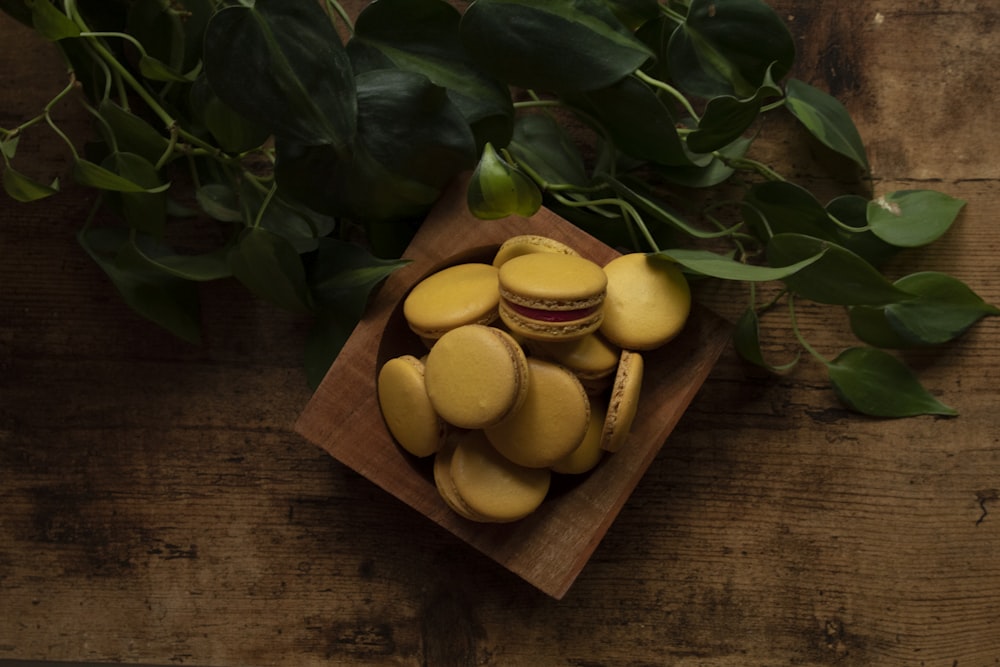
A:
(591, 358)
(624, 401)
(445, 484)
(476, 376)
(553, 281)
(585, 457)
(492, 486)
(525, 244)
(406, 408)
(454, 296)
(550, 423)
(648, 301)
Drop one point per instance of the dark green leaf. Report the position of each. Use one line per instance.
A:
(160, 258)
(145, 210)
(557, 45)
(234, 132)
(639, 122)
(220, 202)
(290, 72)
(131, 133)
(412, 142)
(875, 383)
(839, 277)
(51, 23)
(94, 175)
(270, 268)
(24, 189)
(826, 119)
(911, 218)
(423, 36)
(714, 173)
(714, 265)
(780, 207)
(944, 309)
(542, 145)
(725, 47)
(727, 117)
(852, 210)
(746, 341)
(170, 302)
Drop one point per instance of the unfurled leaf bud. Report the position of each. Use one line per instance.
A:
(499, 189)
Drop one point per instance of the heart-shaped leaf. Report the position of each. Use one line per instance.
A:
(727, 117)
(498, 189)
(838, 277)
(234, 132)
(25, 189)
(874, 382)
(132, 134)
(269, 267)
(557, 45)
(826, 119)
(541, 144)
(943, 309)
(725, 47)
(292, 74)
(911, 218)
(423, 36)
(160, 297)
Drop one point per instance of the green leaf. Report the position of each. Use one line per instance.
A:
(498, 189)
(423, 36)
(270, 268)
(220, 202)
(911, 218)
(638, 121)
(8, 146)
(780, 207)
(343, 276)
(727, 117)
(51, 23)
(944, 309)
(161, 258)
(557, 45)
(725, 47)
(852, 210)
(714, 265)
(839, 277)
(714, 173)
(24, 189)
(874, 382)
(634, 13)
(167, 300)
(826, 119)
(156, 70)
(412, 142)
(746, 341)
(281, 64)
(132, 133)
(94, 175)
(233, 132)
(147, 210)
(542, 144)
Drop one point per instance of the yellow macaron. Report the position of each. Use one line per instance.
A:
(624, 402)
(550, 423)
(461, 294)
(648, 301)
(476, 376)
(525, 244)
(406, 407)
(592, 359)
(551, 296)
(589, 453)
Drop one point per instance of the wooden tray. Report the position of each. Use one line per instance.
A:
(549, 548)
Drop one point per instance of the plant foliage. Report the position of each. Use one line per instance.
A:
(314, 143)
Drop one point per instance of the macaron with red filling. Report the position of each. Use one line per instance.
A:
(551, 296)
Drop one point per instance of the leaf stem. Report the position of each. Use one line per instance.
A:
(798, 334)
(673, 92)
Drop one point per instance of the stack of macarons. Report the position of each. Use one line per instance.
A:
(533, 367)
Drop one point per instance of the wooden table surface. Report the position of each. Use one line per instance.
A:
(156, 505)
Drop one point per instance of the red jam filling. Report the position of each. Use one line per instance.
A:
(541, 315)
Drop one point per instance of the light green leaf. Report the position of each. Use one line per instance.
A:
(94, 175)
(50, 22)
(498, 189)
(557, 45)
(826, 119)
(24, 189)
(714, 265)
(911, 218)
(874, 382)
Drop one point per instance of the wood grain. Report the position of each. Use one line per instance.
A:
(157, 506)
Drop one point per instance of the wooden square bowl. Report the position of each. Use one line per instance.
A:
(550, 547)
